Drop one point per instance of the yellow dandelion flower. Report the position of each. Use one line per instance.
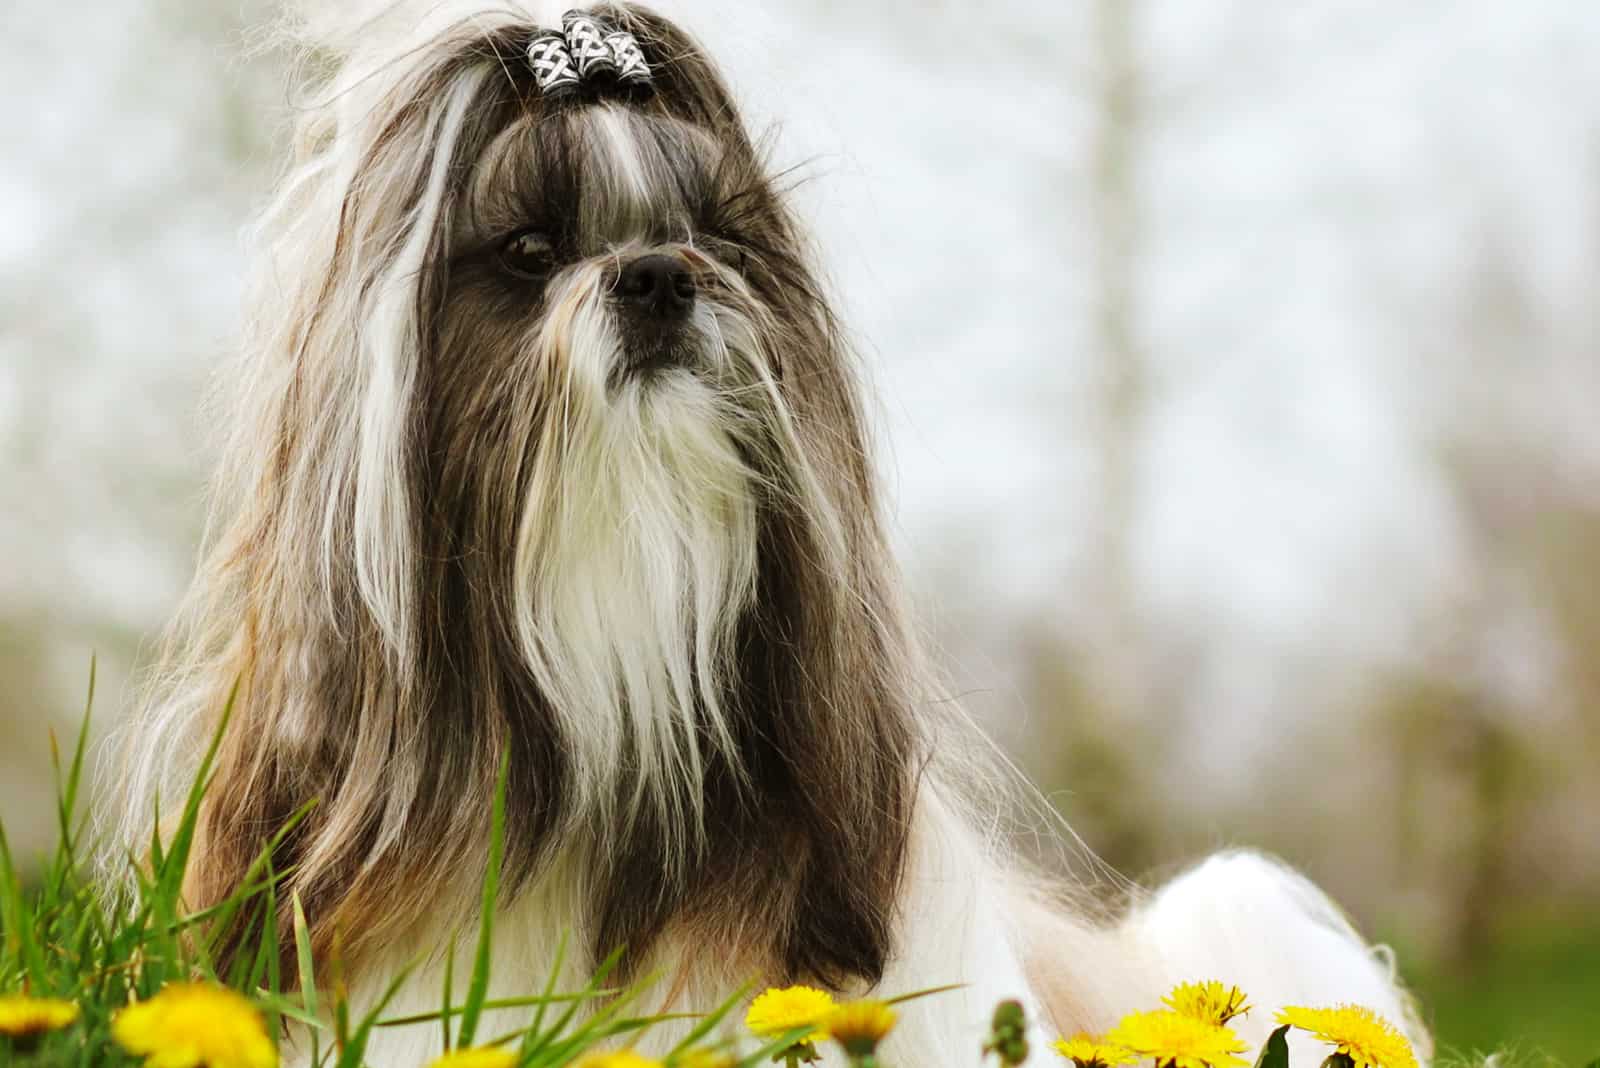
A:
(477, 1057)
(779, 1011)
(859, 1026)
(195, 1025)
(1210, 1001)
(622, 1058)
(1087, 1051)
(22, 1017)
(1178, 1041)
(1359, 1033)
(25, 1017)
(705, 1057)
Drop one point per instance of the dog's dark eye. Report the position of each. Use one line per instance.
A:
(527, 254)
(730, 252)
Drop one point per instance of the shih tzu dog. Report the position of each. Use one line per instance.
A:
(545, 442)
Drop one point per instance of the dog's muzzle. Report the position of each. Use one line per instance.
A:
(655, 297)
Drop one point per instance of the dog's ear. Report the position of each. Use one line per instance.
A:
(317, 602)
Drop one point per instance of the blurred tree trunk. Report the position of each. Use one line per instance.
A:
(1093, 682)
(1120, 401)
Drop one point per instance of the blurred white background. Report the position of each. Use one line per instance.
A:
(1239, 365)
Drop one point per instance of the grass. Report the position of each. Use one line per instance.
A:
(1534, 993)
(62, 936)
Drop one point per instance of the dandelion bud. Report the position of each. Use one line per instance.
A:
(859, 1026)
(1008, 1034)
(25, 1020)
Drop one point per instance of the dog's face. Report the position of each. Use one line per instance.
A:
(619, 291)
(611, 247)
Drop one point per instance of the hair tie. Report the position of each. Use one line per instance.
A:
(632, 70)
(588, 46)
(553, 68)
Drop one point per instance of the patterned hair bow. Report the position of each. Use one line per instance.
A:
(586, 53)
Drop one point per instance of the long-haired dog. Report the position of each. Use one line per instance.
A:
(545, 443)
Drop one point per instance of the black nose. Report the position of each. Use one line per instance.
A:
(657, 285)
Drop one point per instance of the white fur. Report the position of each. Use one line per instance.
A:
(638, 544)
(1248, 920)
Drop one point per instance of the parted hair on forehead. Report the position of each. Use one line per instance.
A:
(468, 508)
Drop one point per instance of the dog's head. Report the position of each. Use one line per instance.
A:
(545, 443)
(624, 351)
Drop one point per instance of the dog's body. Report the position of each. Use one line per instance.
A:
(962, 920)
(546, 444)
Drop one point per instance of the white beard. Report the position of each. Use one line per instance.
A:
(638, 551)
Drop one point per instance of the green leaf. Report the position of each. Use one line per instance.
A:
(478, 986)
(1275, 1051)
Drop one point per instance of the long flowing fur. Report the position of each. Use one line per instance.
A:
(451, 523)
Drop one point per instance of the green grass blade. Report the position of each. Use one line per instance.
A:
(711, 1019)
(269, 935)
(449, 995)
(549, 988)
(21, 933)
(542, 1040)
(176, 862)
(302, 946)
(11, 905)
(157, 856)
(280, 1005)
(478, 986)
(354, 1047)
(250, 886)
(602, 1024)
(494, 1004)
(67, 787)
(307, 966)
(900, 999)
(777, 1045)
